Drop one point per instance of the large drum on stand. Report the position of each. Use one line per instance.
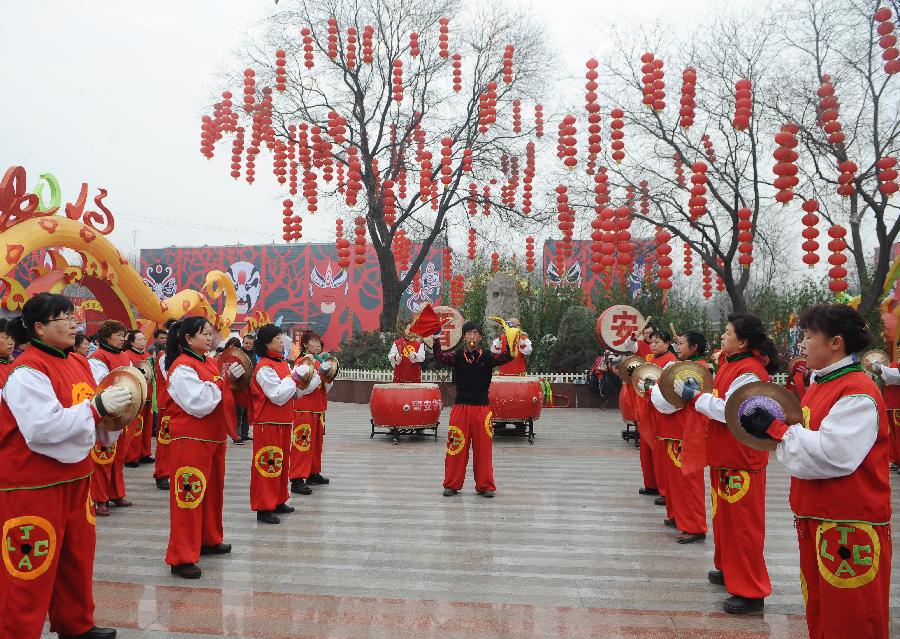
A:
(516, 400)
(405, 409)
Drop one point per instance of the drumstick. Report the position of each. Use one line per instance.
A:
(646, 323)
(674, 331)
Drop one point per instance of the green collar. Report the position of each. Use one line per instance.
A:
(46, 348)
(191, 353)
(738, 356)
(109, 349)
(855, 367)
(694, 358)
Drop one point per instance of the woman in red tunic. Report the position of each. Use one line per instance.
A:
(48, 426)
(406, 356)
(197, 446)
(651, 451)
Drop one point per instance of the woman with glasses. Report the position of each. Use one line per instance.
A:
(48, 425)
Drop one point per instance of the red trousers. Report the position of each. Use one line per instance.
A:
(660, 460)
(143, 433)
(271, 466)
(894, 434)
(739, 530)
(845, 577)
(48, 553)
(626, 403)
(117, 479)
(470, 425)
(162, 468)
(686, 497)
(646, 452)
(103, 459)
(306, 444)
(195, 498)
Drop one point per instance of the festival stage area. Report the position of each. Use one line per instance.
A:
(566, 549)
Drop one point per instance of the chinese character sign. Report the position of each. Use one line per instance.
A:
(616, 324)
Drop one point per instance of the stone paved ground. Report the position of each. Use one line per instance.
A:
(567, 549)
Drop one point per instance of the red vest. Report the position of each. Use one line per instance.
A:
(863, 495)
(517, 366)
(184, 425)
(112, 360)
(643, 349)
(316, 401)
(5, 370)
(407, 371)
(162, 387)
(672, 426)
(263, 410)
(21, 467)
(723, 450)
(891, 393)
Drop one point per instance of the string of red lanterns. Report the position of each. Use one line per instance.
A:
(539, 120)
(332, 48)
(720, 283)
(745, 237)
(308, 61)
(508, 63)
(457, 72)
(342, 243)
(688, 97)
(444, 37)
(887, 41)
(367, 49)
(529, 254)
(617, 135)
(697, 201)
(743, 104)
(810, 232)
(471, 244)
(785, 168)
(707, 281)
(846, 177)
(414, 50)
(829, 111)
(837, 259)
(495, 262)
(887, 175)
(679, 171)
(688, 260)
(708, 148)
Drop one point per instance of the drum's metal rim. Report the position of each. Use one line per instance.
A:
(404, 385)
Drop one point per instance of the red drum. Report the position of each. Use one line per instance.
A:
(515, 398)
(405, 405)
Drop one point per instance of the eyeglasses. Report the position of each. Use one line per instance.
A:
(70, 319)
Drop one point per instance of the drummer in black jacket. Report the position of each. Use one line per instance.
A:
(470, 419)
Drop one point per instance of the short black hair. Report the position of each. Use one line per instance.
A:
(838, 319)
(160, 331)
(266, 334)
(696, 338)
(661, 334)
(79, 338)
(40, 308)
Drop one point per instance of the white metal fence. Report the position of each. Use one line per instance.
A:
(362, 375)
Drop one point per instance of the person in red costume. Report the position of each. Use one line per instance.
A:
(686, 497)
(139, 451)
(632, 402)
(890, 376)
(309, 421)
(7, 346)
(519, 364)
(197, 428)
(406, 356)
(653, 449)
(470, 418)
(737, 473)
(49, 422)
(108, 480)
(840, 483)
(273, 390)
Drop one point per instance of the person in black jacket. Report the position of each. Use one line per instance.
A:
(470, 419)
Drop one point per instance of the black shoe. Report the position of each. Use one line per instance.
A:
(648, 491)
(238, 442)
(300, 487)
(187, 571)
(218, 549)
(267, 517)
(449, 492)
(660, 501)
(318, 479)
(716, 577)
(94, 633)
(894, 466)
(246, 438)
(489, 494)
(669, 522)
(742, 605)
(162, 483)
(689, 538)
(133, 464)
(147, 460)
(284, 508)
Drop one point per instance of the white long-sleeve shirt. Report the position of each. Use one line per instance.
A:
(714, 407)
(525, 347)
(64, 434)
(195, 397)
(98, 368)
(845, 436)
(416, 357)
(890, 376)
(278, 390)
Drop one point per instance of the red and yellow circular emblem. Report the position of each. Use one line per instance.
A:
(89, 510)
(407, 350)
(301, 437)
(848, 554)
(674, 450)
(138, 425)
(455, 440)
(489, 424)
(190, 487)
(268, 461)
(103, 454)
(80, 392)
(29, 544)
(733, 485)
(714, 500)
(163, 436)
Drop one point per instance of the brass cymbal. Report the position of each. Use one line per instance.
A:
(234, 355)
(645, 371)
(874, 356)
(310, 362)
(329, 375)
(684, 371)
(626, 367)
(774, 398)
(132, 379)
(146, 367)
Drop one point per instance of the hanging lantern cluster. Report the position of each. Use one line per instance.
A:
(332, 48)
(446, 161)
(308, 61)
(624, 247)
(425, 176)
(495, 262)
(310, 191)
(829, 110)
(354, 176)
(887, 175)
(708, 148)
(743, 104)
(601, 189)
(472, 199)
(291, 227)
(457, 291)
(697, 201)
(688, 260)
(508, 63)
(249, 89)
(351, 47)
(471, 244)
(567, 150)
(398, 80)
(414, 50)
(402, 252)
(447, 265)
(745, 237)
(618, 144)
(389, 200)
(487, 107)
(565, 216)
(237, 148)
(837, 259)
(785, 168)
(517, 116)
(208, 136)
(342, 243)
(720, 283)
(486, 196)
(528, 178)
(592, 106)
(444, 37)
(360, 240)
(279, 161)
(645, 198)
(810, 232)
(888, 41)
(597, 238)
(280, 70)
(608, 241)
(688, 97)
(367, 49)
(457, 72)
(467, 160)
(679, 171)
(529, 254)
(846, 177)
(508, 190)
(707, 281)
(653, 82)
(539, 120)
(664, 260)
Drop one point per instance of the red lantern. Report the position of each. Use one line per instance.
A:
(528, 178)
(785, 168)
(425, 176)
(837, 259)
(343, 245)
(597, 243)
(829, 111)
(495, 262)
(888, 41)
(249, 89)
(688, 95)
(697, 201)
(708, 148)
(446, 161)
(846, 177)
(887, 175)
(592, 106)
(810, 233)
(720, 283)
(368, 32)
(448, 264)
(617, 135)
(354, 175)
(414, 50)
(743, 104)
(645, 198)
(647, 69)
(663, 259)
(398, 80)
(567, 141)
(688, 260)
(389, 200)
(443, 37)
(508, 63)
(280, 70)
(679, 171)
(237, 148)
(517, 116)
(624, 246)
(287, 213)
(307, 48)
(457, 72)
(472, 199)
(332, 38)
(745, 237)
(471, 244)
(539, 120)
(486, 193)
(707, 281)
(529, 254)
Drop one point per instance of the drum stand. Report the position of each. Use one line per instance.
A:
(628, 433)
(396, 431)
(523, 427)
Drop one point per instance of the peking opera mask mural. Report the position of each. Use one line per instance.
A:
(326, 288)
(246, 280)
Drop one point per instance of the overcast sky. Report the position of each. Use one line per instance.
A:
(111, 93)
